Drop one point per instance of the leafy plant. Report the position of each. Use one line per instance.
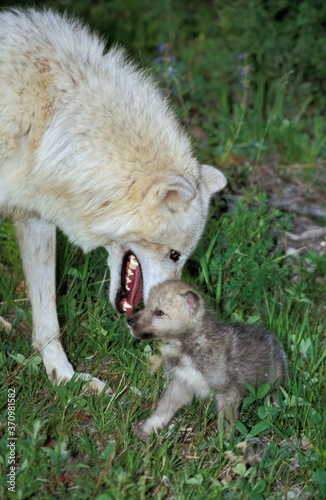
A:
(246, 78)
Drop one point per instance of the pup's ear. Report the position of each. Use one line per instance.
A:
(192, 300)
(214, 180)
(170, 189)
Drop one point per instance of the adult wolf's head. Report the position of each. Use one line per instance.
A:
(169, 225)
(120, 173)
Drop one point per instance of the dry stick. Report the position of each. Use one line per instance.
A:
(308, 210)
(309, 234)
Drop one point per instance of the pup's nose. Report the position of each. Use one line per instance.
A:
(130, 320)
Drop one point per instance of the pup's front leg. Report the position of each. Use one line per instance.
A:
(37, 240)
(177, 395)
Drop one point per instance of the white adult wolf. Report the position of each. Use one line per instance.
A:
(89, 145)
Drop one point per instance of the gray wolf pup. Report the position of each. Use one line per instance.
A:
(202, 355)
(89, 145)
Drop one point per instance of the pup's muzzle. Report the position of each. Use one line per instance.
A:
(131, 321)
(136, 330)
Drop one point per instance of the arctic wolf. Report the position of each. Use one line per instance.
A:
(88, 144)
(202, 355)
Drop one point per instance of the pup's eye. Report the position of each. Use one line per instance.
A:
(174, 255)
(158, 312)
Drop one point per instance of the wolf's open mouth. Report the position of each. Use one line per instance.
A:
(131, 290)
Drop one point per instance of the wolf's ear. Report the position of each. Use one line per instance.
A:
(192, 300)
(214, 180)
(170, 189)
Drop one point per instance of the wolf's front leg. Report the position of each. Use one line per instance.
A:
(37, 240)
(7, 326)
(177, 395)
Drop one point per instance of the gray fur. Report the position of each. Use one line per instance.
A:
(202, 355)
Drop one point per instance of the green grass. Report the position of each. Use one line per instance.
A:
(73, 444)
(83, 445)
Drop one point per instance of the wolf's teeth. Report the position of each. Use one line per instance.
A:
(130, 273)
(127, 288)
(133, 262)
(128, 280)
(126, 306)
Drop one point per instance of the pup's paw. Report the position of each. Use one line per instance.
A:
(253, 450)
(141, 431)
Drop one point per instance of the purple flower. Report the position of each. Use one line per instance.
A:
(166, 69)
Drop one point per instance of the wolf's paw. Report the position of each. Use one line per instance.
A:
(94, 385)
(7, 326)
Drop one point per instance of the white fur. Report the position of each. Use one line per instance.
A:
(87, 144)
(187, 373)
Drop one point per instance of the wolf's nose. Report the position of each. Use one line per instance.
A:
(130, 321)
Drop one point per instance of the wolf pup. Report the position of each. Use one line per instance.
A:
(89, 145)
(202, 355)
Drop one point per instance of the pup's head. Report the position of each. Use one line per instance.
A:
(173, 311)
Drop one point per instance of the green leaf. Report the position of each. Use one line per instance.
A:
(197, 479)
(262, 413)
(253, 319)
(240, 469)
(259, 428)
(248, 400)
(74, 273)
(242, 428)
(19, 358)
(255, 496)
(250, 389)
(135, 390)
(319, 476)
(259, 487)
(37, 360)
(110, 450)
(263, 390)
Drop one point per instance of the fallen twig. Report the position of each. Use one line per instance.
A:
(310, 234)
(308, 210)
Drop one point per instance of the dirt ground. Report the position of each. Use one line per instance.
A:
(294, 190)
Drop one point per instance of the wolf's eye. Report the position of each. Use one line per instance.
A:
(174, 255)
(158, 312)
